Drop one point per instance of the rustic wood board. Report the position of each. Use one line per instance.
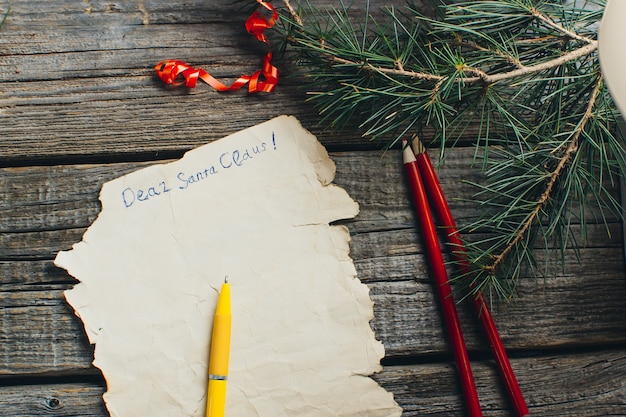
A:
(578, 385)
(46, 209)
(80, 105)
(71, 65)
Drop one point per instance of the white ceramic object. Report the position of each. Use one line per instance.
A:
(612, 50)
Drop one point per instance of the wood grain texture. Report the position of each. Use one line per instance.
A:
(59, 400)
(78, 81)
(46, 209)
(576, 385)
(80, 105)
(581, 385)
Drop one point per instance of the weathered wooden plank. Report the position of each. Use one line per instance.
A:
(110, 127)
(583, 385)
(586, 384)
(59, 400)
(120, 114)
(72, 67)
(71, 34)
(117, 120)
(78, 79)
(40, 336)
(63, 13)
(566, 310)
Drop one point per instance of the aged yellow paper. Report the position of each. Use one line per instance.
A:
(255, 207)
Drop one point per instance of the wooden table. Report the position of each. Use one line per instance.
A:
(80, 105)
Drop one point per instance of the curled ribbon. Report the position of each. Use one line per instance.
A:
(265, 79)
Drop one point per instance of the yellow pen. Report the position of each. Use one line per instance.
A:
(220, 352)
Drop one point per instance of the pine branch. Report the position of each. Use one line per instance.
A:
(545, 196)
(525, 73)
(551, 23)
(573, 55)
(483, 77)
(317, 47)
(545, 66)
(293, 13)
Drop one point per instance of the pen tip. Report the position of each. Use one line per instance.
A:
(226, 279)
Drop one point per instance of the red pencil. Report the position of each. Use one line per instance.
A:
(435, 258)
(442, 210)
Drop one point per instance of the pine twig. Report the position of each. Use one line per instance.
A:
(507, 57)
(571, 149)
(483, 77)
(4, 17)
(293, 12)
(556, 62)
(545, 19)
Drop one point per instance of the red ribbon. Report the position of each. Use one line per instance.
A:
(265, 79)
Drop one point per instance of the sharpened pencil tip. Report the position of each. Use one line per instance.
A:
(417, 145)
(407, 153)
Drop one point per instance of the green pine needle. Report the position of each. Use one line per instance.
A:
(524, 73)
(4, 16)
